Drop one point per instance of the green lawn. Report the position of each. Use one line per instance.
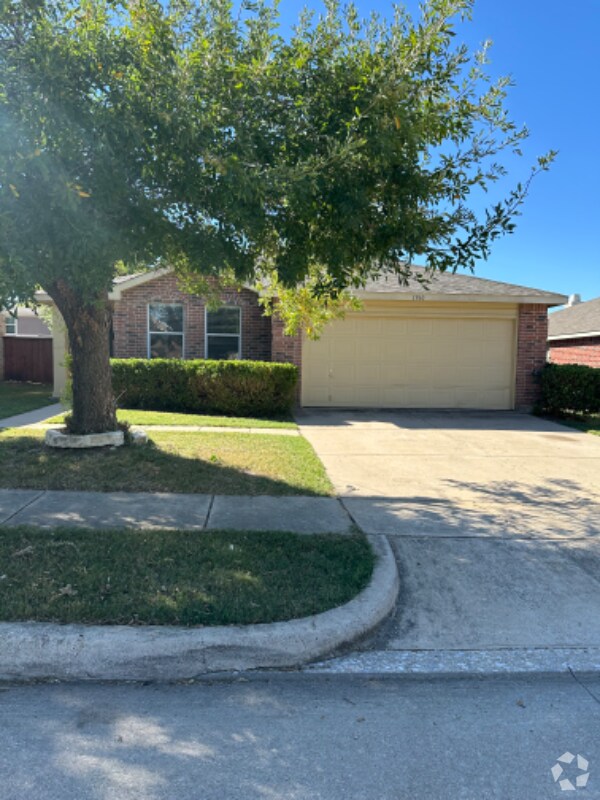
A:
(136, 417)
(176, 577)
(18, 398)
(219, 463)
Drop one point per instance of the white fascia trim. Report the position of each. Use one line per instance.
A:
(416, 296)
(560, 336)
(137, 280)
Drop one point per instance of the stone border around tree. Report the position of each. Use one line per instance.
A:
(57, 437)
(35, 650)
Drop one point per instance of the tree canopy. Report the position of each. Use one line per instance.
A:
(196, 134)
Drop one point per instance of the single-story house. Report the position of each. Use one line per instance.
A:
(574, 333)
(464, 342)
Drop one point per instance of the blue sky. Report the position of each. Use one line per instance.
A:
(552, 50)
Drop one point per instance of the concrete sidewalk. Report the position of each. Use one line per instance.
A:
(47, 509)
(38, 417)
(32, 417)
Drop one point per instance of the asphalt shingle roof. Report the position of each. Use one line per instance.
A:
(439, 283)
(453, 283)
(581, 318)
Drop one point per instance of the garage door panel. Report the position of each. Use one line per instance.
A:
(415, 357)
(494, 329)
(418, 397)
(391, 348)
(365, 347)
(469, 381)
(445, 349)
(445, 398)
(393, 329)
(364, 394)
(395, 375)
(445, 329)
(470, 348)
(341, 348)
(351, 374)
(394, 397)
(471, 329)
(411, 362)
(469, 398)
(317, 395)
(421, 328)
(493, 352)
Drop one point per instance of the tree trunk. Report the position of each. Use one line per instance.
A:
(88, 328)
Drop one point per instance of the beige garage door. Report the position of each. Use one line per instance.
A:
(389, 361)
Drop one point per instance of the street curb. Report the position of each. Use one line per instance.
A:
(507, 661)
(37, 650)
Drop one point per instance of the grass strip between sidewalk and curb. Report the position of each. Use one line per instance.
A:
(137, 417)
(172, 461)
(19, 398)
(124, 577)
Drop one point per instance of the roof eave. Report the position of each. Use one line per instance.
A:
(583, 335)
(137, 280)
(544, 300)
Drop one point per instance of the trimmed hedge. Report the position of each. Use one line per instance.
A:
(234, 388)
(571, 388)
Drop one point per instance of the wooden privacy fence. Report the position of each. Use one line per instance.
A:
(28, 359)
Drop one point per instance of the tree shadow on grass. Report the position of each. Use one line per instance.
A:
(26, 463)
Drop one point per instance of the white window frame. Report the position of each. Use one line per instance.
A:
(9, 318)
(237, 336)
(165, 333)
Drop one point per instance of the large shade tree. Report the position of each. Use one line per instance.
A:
(195, 134)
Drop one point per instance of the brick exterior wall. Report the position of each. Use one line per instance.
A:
(532, 333)
(130, 320)
(287, 349)
(576, 351)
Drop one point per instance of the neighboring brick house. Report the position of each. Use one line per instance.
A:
(28, 358)
(574, 333)
(465, 342)
(25, 322)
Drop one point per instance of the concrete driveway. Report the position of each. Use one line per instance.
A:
(494, 517)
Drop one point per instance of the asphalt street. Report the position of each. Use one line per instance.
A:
(301, 737)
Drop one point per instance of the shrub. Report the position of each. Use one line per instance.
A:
(242, 388)
(570, 388)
